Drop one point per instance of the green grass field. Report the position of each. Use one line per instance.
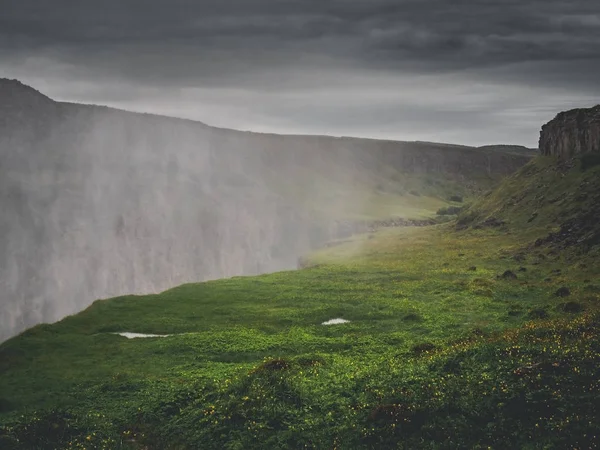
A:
(443, 349)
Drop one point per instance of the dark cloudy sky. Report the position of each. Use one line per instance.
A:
(463, 71)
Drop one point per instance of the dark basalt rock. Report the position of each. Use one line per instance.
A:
(571, 133)
(581, 231)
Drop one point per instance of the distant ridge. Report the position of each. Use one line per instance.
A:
(515, 149)
(16, 95)
(14, 90)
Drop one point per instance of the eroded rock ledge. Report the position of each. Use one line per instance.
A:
(572, 133)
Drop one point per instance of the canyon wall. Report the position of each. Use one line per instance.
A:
(98, 202)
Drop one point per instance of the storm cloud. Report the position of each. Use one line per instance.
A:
(471, 72)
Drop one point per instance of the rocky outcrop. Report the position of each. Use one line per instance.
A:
(572, 133)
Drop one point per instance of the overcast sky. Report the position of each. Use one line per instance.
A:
(462, 71)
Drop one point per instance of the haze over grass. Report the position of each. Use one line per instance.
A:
(99, 202)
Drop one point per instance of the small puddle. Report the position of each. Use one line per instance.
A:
(335, 322)
(140, 335)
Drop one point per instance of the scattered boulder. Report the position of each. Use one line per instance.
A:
(580, 231)
(563, 292)
(508, 275)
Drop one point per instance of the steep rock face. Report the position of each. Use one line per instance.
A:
(571, 133)
(98, 202)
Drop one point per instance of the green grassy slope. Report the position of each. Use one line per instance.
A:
(558, 200)
(444, 348)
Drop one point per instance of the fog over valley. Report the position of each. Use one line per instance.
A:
(98, 202)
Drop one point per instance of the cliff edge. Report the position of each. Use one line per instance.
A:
(572, 133)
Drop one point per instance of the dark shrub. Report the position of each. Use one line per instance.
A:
(456, 198)
(563, 292)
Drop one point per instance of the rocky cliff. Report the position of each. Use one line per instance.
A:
(98, 202)
(572, 133)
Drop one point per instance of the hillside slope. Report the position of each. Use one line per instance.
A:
(477, 334)
(442, 350)
(557, 200)
(99, 202)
